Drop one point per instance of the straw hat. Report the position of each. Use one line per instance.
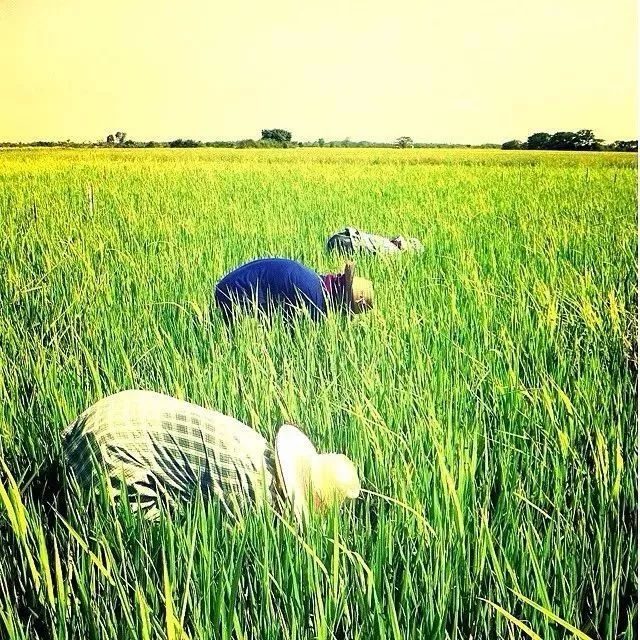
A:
(359, 291)
(303, 472)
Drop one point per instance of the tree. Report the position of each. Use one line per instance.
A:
(246, 144)
(110, 139)
(185, 144)
(120, 137)
(625, 145)
(582, 140)
(512, 145)
(321, 142)
(277, 135)
(585, 140)
(404, 141)
(563, 141)
(538, 141)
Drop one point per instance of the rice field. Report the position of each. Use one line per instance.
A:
(489, 401)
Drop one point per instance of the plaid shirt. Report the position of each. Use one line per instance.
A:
(163, 448)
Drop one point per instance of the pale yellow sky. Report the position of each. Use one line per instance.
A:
(436, 70)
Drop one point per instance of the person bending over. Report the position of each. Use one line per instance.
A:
(351, 240)
(268, 284)
(158, 449)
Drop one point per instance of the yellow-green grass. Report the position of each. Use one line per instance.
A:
(490, 397)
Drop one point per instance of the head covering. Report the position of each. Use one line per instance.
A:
(359, 291)
(303, 472)
(407, 244)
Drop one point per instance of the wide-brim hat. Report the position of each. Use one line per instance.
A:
(302, 471)
(359, 291)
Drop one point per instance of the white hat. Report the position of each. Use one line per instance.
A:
(329, 477)
(359, 291)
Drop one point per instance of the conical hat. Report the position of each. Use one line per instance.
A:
(359, 291)
(303, 471)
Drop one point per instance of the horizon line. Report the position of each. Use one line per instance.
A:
(346, 139)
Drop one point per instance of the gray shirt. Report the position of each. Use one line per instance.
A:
(352, 240)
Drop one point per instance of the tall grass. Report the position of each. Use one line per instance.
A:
(489, 401)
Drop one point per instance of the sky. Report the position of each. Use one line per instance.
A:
(459, 71)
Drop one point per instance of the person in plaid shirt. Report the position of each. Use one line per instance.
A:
(155, 448)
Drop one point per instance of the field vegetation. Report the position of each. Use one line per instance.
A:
(489, 401)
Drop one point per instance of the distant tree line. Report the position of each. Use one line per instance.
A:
(248, 143)
(583, 140)
(271, 138)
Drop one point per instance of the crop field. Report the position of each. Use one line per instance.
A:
(488, 401)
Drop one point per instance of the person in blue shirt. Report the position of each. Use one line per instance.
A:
(265, 285)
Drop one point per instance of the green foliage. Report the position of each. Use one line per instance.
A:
(583, 140)
(511, 145)
(489, 402)
(277, 135)
(625, 145)
(185, 144)
(246, 144)
(538, 141)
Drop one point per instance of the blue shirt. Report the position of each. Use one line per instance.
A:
(269, 283)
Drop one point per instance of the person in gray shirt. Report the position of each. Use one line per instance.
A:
(352, 240)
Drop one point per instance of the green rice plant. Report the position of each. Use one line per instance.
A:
(488, 401)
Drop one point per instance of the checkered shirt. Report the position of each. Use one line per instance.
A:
(158, 448)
